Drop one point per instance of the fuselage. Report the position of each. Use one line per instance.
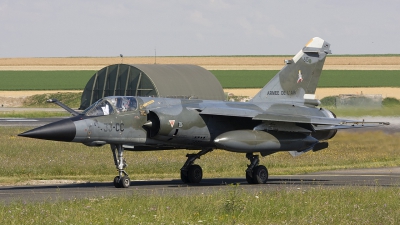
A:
(167, 123)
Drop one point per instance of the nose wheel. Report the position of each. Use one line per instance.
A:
(122, 180)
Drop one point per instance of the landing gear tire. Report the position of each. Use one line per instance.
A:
(116, 182)
(184, 177)
(124, 182)
(260, 175)
(249, 179)
(195, 174)
(190, 172)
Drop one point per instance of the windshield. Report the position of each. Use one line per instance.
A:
(111, 105)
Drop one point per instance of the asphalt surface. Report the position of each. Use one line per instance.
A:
(25, 122)
(383, 177)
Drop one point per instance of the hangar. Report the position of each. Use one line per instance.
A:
(158, 80)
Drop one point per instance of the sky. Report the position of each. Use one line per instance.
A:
(102, 28)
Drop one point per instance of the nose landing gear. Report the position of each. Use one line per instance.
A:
(122, 180)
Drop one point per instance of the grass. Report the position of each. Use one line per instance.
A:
(360, 78)
(358, 112)
(44, 80)
(243, 78)
(329, 78)
(234, 205)
(72, 100)
(76, 80)
(31, 159)
(39, 101)
(390, 107)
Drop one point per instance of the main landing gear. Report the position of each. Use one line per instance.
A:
(122, 180)
(255, 173)
(190, 172)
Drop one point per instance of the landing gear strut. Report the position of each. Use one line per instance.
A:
(255, 173)
(122, 180)
(191, 173)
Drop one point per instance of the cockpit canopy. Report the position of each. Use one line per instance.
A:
(111, 105)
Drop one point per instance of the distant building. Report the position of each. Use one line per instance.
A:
(171, 81)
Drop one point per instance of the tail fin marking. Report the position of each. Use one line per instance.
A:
(299, 78)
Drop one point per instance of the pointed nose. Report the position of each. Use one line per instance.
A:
(63, 130)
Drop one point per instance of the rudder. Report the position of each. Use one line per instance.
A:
(299, 78)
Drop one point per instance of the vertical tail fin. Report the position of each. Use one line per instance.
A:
(299, 78)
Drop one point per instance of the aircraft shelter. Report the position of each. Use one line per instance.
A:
(156, 80)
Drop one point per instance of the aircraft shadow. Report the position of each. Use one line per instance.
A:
(211, 182)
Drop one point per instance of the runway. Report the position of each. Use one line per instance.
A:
(382, 177)
(26, 122)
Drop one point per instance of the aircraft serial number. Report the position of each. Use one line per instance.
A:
(118, 127)
(281, 92)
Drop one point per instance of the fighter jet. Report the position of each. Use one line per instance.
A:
(283, 116)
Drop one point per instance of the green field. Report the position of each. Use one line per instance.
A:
(329, 78)
(76, 80)
(44, 80)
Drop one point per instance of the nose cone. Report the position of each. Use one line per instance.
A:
(63, 130)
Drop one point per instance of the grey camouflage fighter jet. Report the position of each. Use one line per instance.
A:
(283, 116)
